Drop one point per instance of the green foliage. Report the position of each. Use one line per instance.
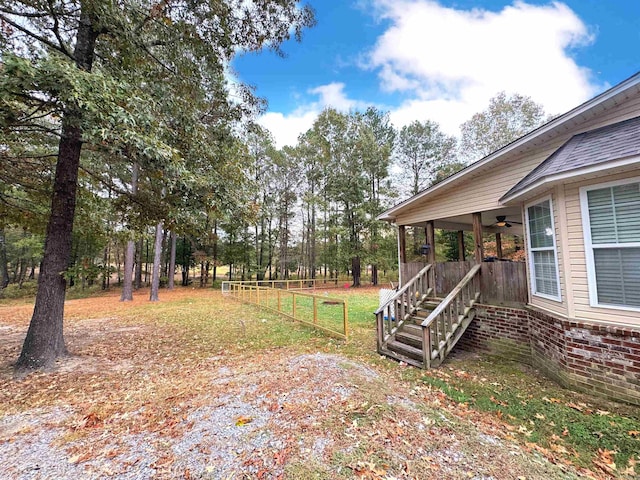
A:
(506, 119)
(424, 154)
(15, 290)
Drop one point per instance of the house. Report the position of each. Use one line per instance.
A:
(572, 189)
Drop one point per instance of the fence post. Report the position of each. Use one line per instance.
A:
(293, 304)
(345, 319)
(426, 347)
(315, 310)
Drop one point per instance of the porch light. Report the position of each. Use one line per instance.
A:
(424, 250)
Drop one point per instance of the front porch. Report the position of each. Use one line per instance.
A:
(437, 300)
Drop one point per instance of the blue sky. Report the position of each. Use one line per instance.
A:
(443, 60)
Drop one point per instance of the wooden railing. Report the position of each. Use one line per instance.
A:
(392, 315)
(299, 284)
(501, 283)
(328, 314)
(444, 326)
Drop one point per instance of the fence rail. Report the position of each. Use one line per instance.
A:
(298, 284)
(324, 313)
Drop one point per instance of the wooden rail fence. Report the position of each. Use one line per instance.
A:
(324, 313)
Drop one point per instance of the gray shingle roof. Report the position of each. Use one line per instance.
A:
(613, 142)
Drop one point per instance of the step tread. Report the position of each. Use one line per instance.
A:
(409, 339)
(405, 349)
(412, 329)
(401, 358)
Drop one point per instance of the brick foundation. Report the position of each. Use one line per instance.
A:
(593, 358)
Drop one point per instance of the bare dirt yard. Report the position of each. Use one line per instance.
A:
(200, 386)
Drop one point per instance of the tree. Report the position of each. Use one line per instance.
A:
(48, 52)
(506, 119)
(422, 152)
(375, 144)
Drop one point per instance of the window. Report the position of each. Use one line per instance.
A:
(611, 217)
(543, 258)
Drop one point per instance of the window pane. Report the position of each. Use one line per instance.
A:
(629, 193)
(540, 225)
(544, 266)
(618, 276)
(614, 214)
(628, 223)
(599, 198)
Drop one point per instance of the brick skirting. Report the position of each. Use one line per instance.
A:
(593, 358)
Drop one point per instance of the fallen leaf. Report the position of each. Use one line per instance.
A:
(243, 420)
(558, 448)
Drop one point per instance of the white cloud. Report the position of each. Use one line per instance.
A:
(450, 62)
(287, 127)
(447, 63)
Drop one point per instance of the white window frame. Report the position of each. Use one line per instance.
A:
(530, 250)
(588, 245)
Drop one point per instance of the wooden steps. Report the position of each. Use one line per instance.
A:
(446, 320)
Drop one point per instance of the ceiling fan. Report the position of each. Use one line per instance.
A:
(501, 221)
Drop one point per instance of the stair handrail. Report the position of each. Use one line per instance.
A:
(403, 290)
(440, 309)
(452, 295)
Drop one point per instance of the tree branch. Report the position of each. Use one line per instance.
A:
(56, 30)
(35, 36)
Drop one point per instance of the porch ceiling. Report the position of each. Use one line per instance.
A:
(465, 222)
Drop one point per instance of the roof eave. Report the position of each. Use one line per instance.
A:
(551, 180)
(543, 129)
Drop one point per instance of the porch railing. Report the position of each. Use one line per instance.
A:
(501, 283)
(447, 322)
(392, 315)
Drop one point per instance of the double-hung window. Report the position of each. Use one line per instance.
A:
(543, 257)
(611, 218)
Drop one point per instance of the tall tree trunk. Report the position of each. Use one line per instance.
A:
(105, 265)
(374, 275)
(164, 259)
(138, 284)
(157, 257)
(185, 264)
(215, 250)
(130, 252)
(355, 270)
(4, 265)
(146, 263)
(45, 340)
(127, 287)
(118, 265)
(172, 262)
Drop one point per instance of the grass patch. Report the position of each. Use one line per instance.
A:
(152, 360)
(590, 431)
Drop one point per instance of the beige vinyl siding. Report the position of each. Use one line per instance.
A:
(578, 266)
(547, 304)
(477, 193)
(480, 191)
